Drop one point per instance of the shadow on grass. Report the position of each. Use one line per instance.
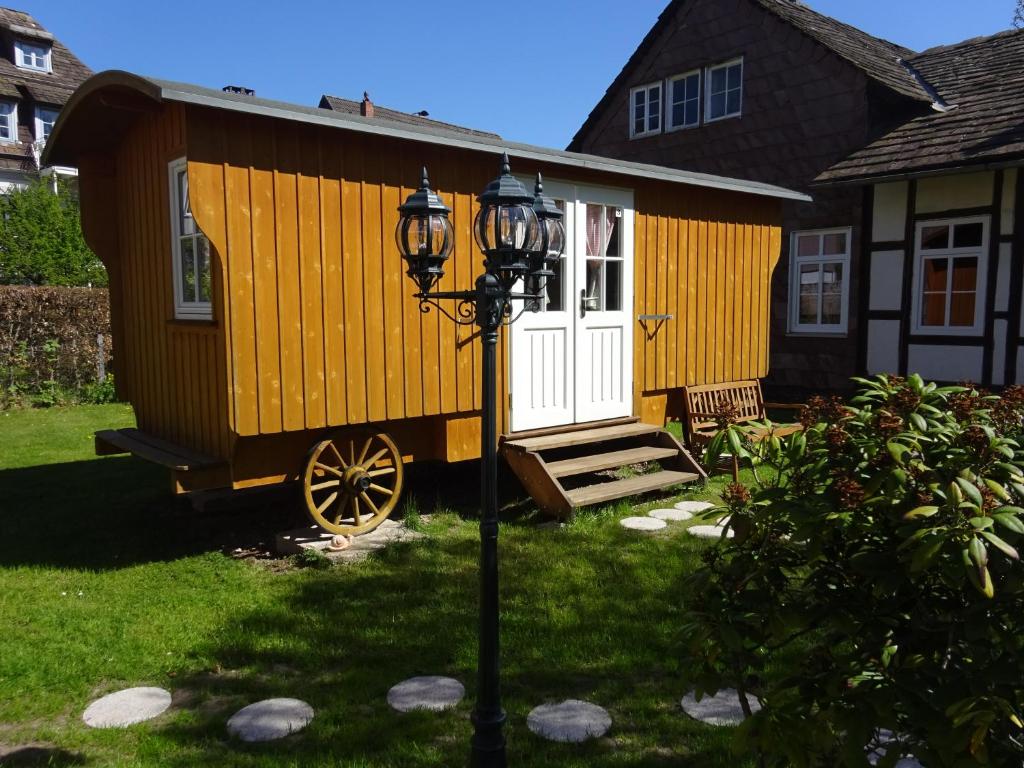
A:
(40, 757)
(116, 512)
(581, 619)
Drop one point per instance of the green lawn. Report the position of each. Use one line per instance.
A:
(105, 583)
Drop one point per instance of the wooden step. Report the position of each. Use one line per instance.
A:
(582, 437)
(611, 460)
(631, 486)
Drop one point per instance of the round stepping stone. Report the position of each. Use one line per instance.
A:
(573, 721)
(270, 719)
(642, 523)
(127, 707)
(712, 531)
(721, 709)
(429, 692)
(670, 515)
(693, 507)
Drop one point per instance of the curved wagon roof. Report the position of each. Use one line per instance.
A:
(94, 114)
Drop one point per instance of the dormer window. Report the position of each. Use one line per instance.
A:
(35, 56)
(45, 118)
(8, 121)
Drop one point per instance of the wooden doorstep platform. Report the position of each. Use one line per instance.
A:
(577, 466)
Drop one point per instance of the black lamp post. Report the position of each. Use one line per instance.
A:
(519, 234)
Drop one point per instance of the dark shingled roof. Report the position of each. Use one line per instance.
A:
(878, 59)
(405, 118)
(28, 87)
(982, 81)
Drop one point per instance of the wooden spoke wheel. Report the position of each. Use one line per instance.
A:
(352, 481)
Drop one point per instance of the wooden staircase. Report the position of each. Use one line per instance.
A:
(580, 465)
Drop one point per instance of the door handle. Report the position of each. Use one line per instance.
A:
(584, 300)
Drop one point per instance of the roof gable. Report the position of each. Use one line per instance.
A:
(982, 81)
(878, 59)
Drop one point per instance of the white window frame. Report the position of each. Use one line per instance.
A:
(707, 90)
(670, 103)
(21, 62)
(633, 133)
(12, 122)
(795, 261)
(982, 252)
(40, 122)
(183, 310)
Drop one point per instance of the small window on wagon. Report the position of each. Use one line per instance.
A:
(190, 250)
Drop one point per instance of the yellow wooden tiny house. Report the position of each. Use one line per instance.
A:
(304, 323)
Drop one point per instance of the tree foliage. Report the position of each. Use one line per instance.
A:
(873, 585)
(41, 239)
(1018, 16)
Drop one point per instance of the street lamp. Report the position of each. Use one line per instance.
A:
(520, 235)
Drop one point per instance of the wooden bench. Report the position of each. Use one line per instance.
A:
(703, 403)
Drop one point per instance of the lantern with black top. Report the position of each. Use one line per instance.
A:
(424, 235)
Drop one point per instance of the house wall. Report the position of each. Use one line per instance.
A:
(171, 371)
(989, 357)
(322, 329)
(804, 109)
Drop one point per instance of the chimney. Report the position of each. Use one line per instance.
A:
(366, 106)
(241, 90)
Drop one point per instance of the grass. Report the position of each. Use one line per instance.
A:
(105, 583)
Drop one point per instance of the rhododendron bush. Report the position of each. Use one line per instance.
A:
(873, 584)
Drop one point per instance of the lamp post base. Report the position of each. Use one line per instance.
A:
(488, 742)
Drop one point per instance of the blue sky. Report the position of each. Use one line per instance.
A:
(472, 62)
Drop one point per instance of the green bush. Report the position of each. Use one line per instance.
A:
(874, 582)
(41, 240)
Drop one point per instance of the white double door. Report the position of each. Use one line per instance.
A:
(572, 361)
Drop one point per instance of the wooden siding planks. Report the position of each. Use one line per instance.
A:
(354, 346)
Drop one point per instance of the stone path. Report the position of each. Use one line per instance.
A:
(642, 524)
(693, 507)
(670, 515)
(572, 721)
(270, 719)
(721, 709)
(314, 537)
(127, 707)
(712, 531)
(430, 692)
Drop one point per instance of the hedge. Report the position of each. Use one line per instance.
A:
(50, 346)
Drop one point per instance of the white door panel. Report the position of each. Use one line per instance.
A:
(573, 361)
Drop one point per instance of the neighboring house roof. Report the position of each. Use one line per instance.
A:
(383, 113)
(29, 87)
(982, 81)
(879, 59)
(63, 150)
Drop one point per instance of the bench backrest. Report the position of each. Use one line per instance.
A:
(702, 403)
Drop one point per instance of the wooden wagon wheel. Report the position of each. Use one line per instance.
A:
(352, 481)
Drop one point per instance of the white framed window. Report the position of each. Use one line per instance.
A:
(819, 293)
(605, 259)
(684, 100)
(645, 110)
(724, 91)
(950, 264)
(8, 121)
(32, 55)
(45, 118)
(190, 251)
